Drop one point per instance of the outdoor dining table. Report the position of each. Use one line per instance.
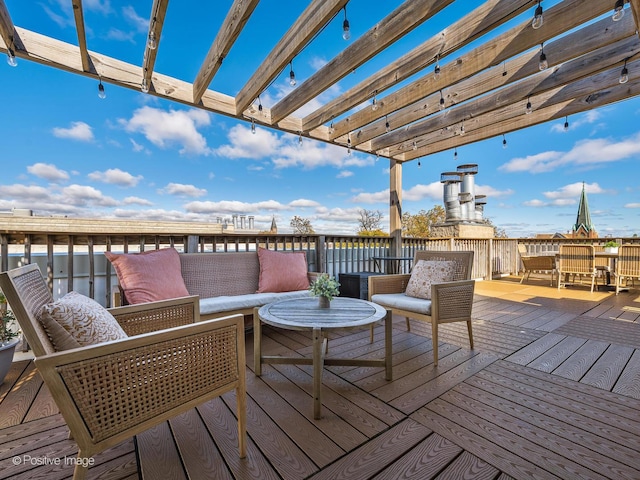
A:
(305, 314)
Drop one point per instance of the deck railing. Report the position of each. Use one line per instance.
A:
(77, 261)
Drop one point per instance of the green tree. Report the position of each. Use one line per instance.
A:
(498, 232)
(369, 222)
(301, 226)
(419, 225)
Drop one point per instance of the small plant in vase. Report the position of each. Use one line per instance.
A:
(8, 337)
(611, 246)
(325, 287)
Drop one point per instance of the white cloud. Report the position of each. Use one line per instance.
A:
(304, 203)
(102, 6)
(245, 144)
(535, 203)
(345, 174)
(182, 190)
(24, 192)
(589, 152)
(115, 176)
(574, 190)
(173, 127)
(632, 205)
(136, 201)
(120, 35)
(141, 24)
(82, 195)
(78, 131)
(376, 197)
(587, 118)
(48, 171)
(231, 207)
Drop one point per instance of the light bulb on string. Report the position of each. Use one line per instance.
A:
(538, 18)
(441, 101)
(504, 141)
(529, 108)
(331, 129)
(253, 126)
(419, 164)
(349, 145)
(566, 123)
(11, 58)
(151, 41)
(543, 64)
(415, 145)
(455, 153)
(101, 93)
(292, 76)
(346, 28)
(624, 74)
(618, 11)
(374, 102)
(387, 127)
(436, 70)
(144, 86)
(299, 139)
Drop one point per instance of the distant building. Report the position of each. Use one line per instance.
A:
(274, 227)
(583, 228)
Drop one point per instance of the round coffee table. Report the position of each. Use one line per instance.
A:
(305, 314)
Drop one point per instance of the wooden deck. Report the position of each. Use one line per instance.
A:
(551, 390)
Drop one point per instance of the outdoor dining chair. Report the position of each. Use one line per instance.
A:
(627, 264)
(165, 363)
(450, 301)
(536, 263)
(576, 260)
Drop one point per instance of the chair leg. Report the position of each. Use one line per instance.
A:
(434, 341)
(80, 470)
(371, 334)
(470, 333)
(408, 324)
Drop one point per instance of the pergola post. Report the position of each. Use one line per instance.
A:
(395, 207)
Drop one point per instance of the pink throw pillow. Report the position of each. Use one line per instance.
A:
(149, 276)
(282, 271)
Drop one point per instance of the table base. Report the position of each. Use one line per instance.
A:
(318, 361)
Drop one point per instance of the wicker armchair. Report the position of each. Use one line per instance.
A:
(112, 391)
(450, 301)
(576, 260)
(536, 263)
(628, 264)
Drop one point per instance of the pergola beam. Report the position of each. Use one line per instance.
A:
(552, 78)
(477, 23)
(310, 22)
(8, 30)
(583, 41)
(233, 24)
(560, 18)
(585, 94)
(82, 37)
(156, 21)
(397, 24)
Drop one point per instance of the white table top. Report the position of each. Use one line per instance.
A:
(304, 313)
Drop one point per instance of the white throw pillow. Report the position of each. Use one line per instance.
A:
(83, 320)
(427, 272)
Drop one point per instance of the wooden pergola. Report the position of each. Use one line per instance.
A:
(428, 100)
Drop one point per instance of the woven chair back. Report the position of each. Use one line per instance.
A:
(578, 259)
(464, 261)
(628, 264)
(27, 292)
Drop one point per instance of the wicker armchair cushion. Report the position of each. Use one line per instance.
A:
(149, 276)
(282, 271)
(77, 321)
(402, 301)
(427, 272)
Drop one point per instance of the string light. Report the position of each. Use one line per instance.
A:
(259, 104)
(462, 132)
(455, 153)
(436, 70)
(543, 64)
(374, 102)
(618, 10)
(441, 101)
(299, 139)
(529, 108)
(387, 127)
(253, 126)
(624, 74)
(538, 18)
(346, 29)
(101, 93)
(419, 164)
(349, 145)
(292, 75)
(415, 147)
(144, 86)
(331, 129)
(504, 141)
(11, 58)
(151, 41)
(566, 123)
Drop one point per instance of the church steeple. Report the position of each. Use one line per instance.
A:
(583, 226)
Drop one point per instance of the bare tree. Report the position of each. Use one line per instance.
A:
(301, 226)
(369, 221)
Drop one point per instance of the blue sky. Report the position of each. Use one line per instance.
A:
(67, 152)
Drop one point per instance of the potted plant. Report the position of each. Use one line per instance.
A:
(8, 337)
(325, 287)
(611, 246)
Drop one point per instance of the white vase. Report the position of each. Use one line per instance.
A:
(611, 249)
(6, 357)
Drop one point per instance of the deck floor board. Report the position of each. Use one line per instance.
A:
(551, 390)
